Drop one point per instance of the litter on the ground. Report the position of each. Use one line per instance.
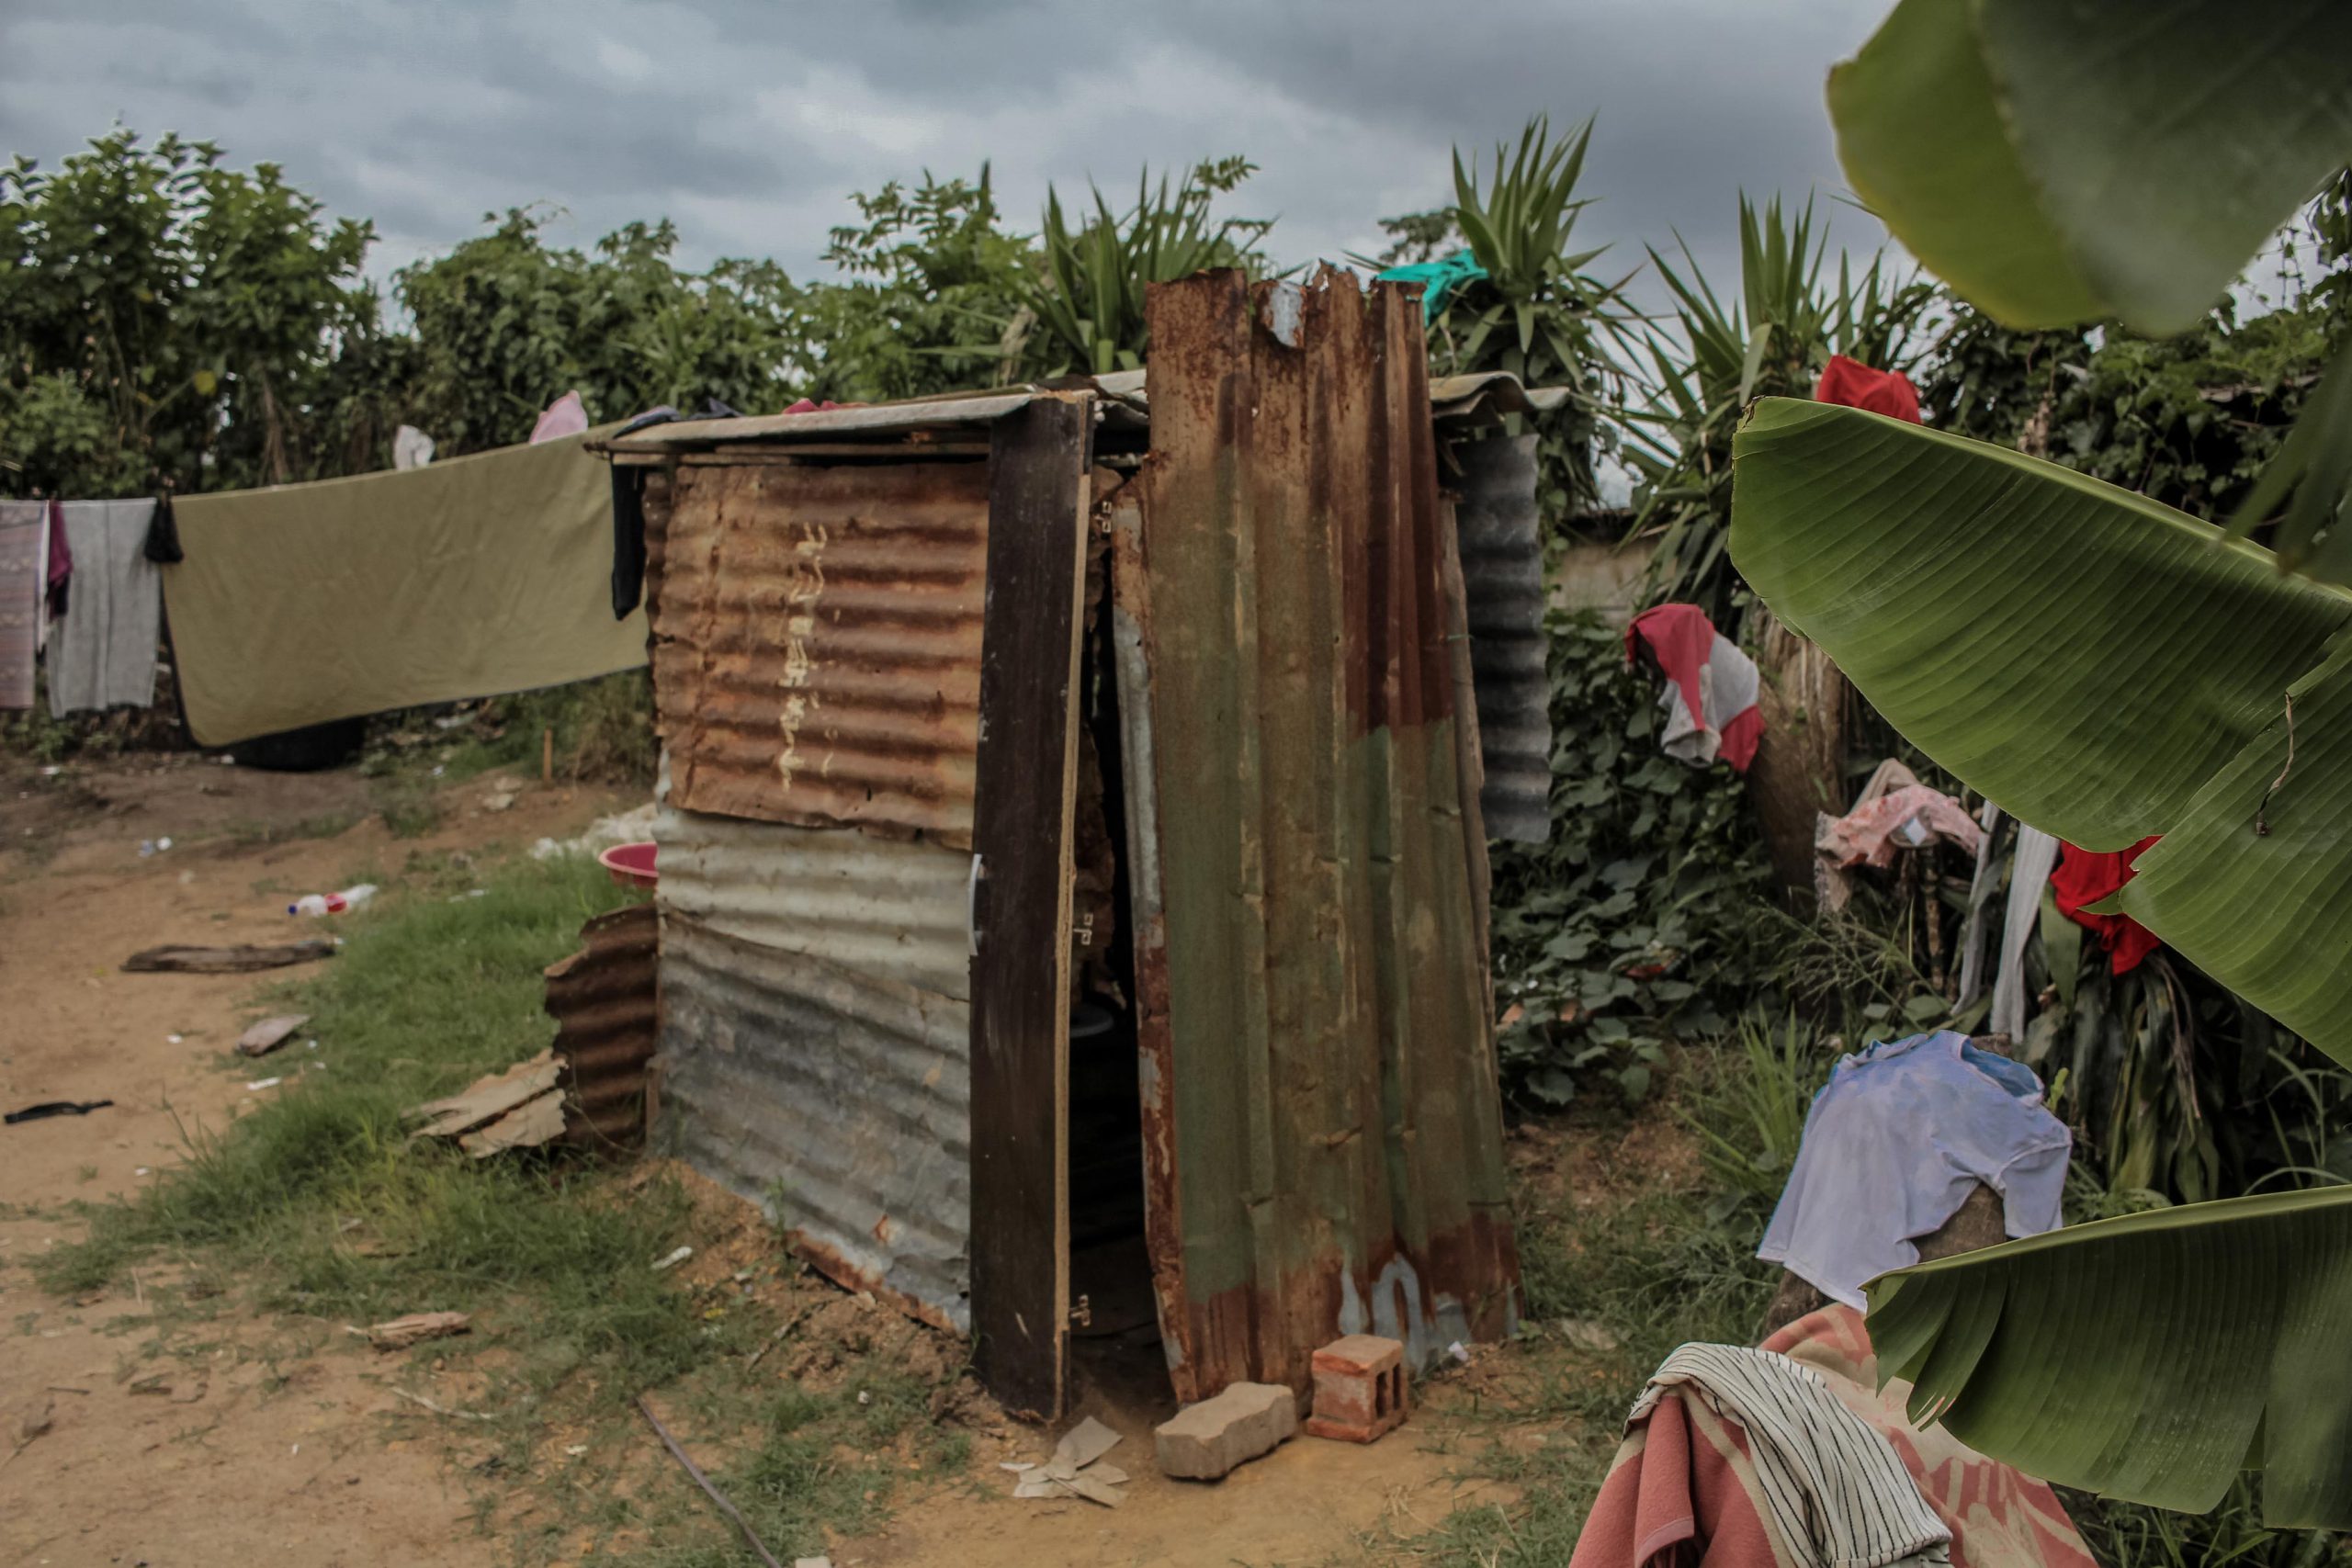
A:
(271, 1033)
(1587, 1334)
(679, 1257)
(315, 904)
(520, 1107)
(399, 1333)
(254, 1086)
(185, 960)
(174, 1039)
(628, 826)
(1073, 1470)
(49, 1108)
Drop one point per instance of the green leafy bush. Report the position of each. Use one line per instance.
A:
(1636, 921)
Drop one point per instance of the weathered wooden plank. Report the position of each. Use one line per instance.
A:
(1025, 788)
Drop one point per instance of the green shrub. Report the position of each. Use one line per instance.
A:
(1636, 921)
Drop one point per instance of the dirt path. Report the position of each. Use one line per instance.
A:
(273, 1441)
(275, 1444)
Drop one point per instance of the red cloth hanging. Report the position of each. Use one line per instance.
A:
(1856, 385)
(1717, 683)
(2084, 877)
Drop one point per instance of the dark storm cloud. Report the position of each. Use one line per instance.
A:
(748, 123)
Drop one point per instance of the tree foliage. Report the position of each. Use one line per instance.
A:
(173, 321)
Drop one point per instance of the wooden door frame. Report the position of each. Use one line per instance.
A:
(1040, 502)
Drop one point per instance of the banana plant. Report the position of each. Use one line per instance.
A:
(2105, 668)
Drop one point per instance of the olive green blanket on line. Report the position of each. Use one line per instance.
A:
(469, 578)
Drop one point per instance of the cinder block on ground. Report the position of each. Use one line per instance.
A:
(1360, 1390)
(1204, 1442)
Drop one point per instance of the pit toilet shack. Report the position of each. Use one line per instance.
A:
(1073, 837)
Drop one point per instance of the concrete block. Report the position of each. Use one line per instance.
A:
(1204, 1442)
(1360, 1390)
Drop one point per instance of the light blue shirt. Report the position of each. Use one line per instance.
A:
(1892, 1146)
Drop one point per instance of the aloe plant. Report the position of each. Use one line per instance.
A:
(1090, 301)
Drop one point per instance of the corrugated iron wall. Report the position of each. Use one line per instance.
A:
(839, 1101)
(1322, 1118)
(817, 673)
(604, 1003)
(1502, 571)
(816, 642)
(888, 908)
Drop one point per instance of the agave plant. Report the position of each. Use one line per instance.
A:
(2107, 668)
(1770, 341)
(1090, 301)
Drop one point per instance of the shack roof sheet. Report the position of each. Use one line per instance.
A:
(1126, 396)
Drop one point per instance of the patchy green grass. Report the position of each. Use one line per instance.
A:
(316, 1208)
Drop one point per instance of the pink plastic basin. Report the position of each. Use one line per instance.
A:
(631, 865)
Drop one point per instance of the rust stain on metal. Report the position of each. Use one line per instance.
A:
(1322, 1122)
(817, 643)
(606, 1012)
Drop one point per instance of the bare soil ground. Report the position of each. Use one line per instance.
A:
(269, 1439)
(278, 1443)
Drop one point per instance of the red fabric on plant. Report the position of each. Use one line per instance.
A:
(1856, 385)
(1682, 639)
(2084, 877)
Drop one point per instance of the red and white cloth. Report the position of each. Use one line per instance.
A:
(1692, 1484)
(1711, 686)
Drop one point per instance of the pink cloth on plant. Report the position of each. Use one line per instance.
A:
(1911, 818)
(565, 416)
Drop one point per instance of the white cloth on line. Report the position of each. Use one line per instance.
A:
(1892, 1146)
(1838, 1492)
(102, 650)
(2037, 856)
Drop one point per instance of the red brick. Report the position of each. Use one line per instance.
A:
(1360, 1389)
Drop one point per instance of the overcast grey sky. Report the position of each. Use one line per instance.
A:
(749, 123)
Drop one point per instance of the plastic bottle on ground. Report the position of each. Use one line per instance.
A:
(332, 903)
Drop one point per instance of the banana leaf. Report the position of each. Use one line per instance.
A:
(2100, 665)
(2150, 1357)
(2062, 163)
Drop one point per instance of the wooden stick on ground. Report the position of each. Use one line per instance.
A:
(703, 1482)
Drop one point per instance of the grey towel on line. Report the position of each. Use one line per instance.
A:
(102, 652)
(1840, 1496)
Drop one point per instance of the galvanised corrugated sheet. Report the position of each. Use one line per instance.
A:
(838, 1101)
(816, 642)
(1502, 576)
(1322, 1117)
(897, 910)
(604, 1004)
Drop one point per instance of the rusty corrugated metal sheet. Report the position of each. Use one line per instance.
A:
(1322, 1119)
(817, 643)
(897, 909)
(1479, 397)
(1502, 571)
(837, 1101)
(603, 1002)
